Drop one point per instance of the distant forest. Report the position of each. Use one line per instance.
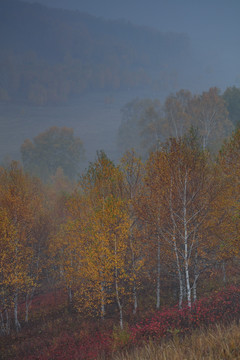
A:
(50, 55)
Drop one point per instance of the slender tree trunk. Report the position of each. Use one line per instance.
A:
(196, 274)
(135, 302)
(118, 300)
(70, 295)
(5, 320)
(3, 326)
(117, 289)
(27, 304)
(17, 324)
(187, 279)
(5, 323)
(195, 289)
(186, 243)
(179, 274)
(29, 298)
(158, 272)
(102, 302)
(224, 273)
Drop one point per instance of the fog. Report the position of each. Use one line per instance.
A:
(213, 30)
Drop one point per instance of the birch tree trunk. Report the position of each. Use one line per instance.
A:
(17, 324)
(186, 242)
(117, 288)
(179, 274)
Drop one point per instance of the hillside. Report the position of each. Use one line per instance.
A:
(49, 55)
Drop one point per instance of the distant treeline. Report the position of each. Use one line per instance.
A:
(49, 55)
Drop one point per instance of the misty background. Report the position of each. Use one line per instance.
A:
(162, 47)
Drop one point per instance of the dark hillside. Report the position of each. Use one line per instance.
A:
(49, 55)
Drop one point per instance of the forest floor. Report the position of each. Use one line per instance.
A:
(210, 330)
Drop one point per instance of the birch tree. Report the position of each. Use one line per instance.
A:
(132, 170)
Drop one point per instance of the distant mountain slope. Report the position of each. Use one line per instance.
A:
(48, 55)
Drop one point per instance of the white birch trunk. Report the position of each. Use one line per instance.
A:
(186, 243)
(117, 289)
(179, 275)
(17, 324)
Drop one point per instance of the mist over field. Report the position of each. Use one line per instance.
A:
(76, 64)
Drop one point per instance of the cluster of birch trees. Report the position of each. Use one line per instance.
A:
(124, 233)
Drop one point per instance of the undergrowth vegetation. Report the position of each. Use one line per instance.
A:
(167, 334)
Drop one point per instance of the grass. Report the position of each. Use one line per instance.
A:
(216, 343)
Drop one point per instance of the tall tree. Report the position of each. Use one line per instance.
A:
(132, 171)
(180, 189)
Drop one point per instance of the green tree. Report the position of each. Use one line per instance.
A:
(55, 148)
(231, 96)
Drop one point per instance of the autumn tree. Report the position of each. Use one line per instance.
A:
(150, 209)
(132, 172)
(20, 204)
(107, 233)
(91, 244)
(180, 187)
